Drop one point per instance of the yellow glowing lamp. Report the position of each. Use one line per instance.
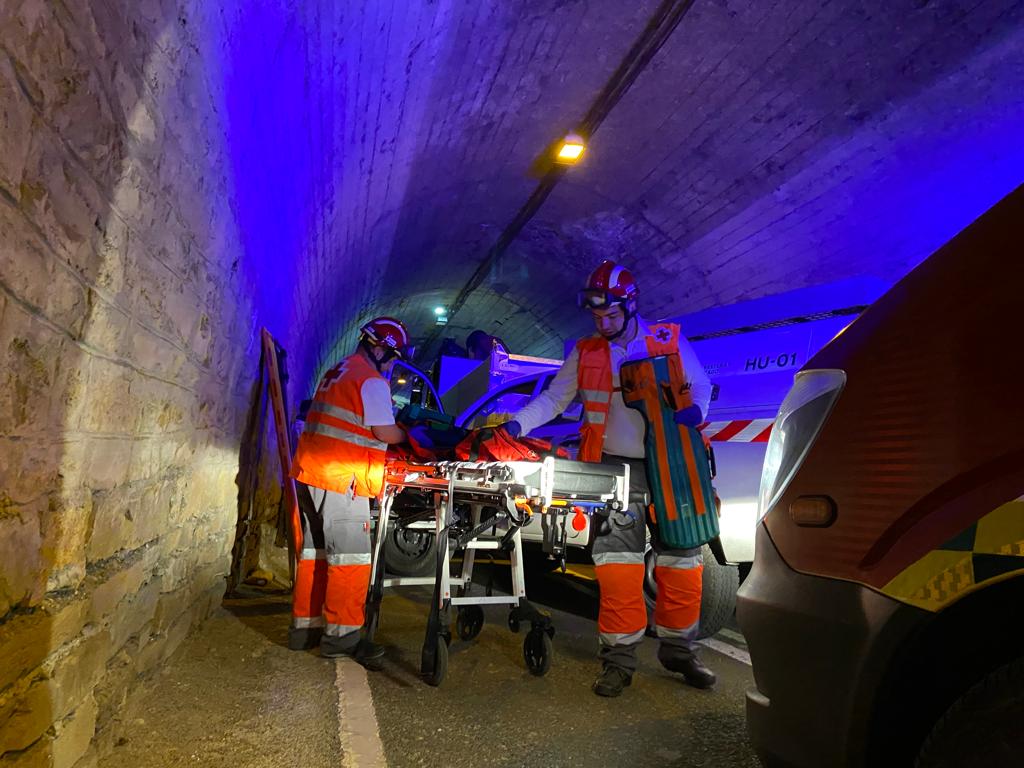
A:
(571, 149)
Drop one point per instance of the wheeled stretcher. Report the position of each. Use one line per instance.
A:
(475, 506)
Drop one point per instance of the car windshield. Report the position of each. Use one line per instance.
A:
(409, 385)
(500, 407)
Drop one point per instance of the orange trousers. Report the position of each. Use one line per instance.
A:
(619, 551)
(333, 572)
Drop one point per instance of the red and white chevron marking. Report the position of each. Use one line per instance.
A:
(739, 431)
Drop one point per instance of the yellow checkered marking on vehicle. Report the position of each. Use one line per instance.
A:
(984, 553)
(1001, 531)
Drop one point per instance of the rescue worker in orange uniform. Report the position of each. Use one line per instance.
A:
(613, 433)
(338, 468)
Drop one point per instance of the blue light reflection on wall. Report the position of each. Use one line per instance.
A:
(946, 167)
(932, 190)
(939, 161)
(271, 104)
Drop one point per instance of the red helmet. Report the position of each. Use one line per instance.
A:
(387, 332)
(608, 285)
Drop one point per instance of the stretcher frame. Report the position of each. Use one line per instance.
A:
(518, 490)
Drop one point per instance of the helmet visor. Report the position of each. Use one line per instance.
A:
(591, 298)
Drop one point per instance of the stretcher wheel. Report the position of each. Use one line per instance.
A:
(537, 652)
(469, 622)
(436, 675)
(513, 622)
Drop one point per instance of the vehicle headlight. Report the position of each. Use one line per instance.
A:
(801, 417)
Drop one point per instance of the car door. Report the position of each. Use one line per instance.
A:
(410, 385)
(500, 404)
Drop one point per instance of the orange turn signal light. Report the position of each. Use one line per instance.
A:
(813, 511)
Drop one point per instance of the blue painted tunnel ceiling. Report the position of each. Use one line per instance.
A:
(380, 147)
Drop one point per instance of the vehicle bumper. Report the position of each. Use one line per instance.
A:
(820, 649)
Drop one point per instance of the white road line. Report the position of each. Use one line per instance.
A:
(727, 650)
(357, 720)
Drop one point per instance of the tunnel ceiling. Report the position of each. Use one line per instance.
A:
(380, 149)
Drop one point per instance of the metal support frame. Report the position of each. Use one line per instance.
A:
(478, 484)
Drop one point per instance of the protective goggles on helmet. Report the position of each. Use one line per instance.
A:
(591, 298)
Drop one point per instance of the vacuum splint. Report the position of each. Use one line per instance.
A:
(678, 466)
(473, 506)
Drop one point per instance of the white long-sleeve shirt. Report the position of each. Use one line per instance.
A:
(624, 432)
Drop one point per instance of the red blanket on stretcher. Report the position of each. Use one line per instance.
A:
(496, 444)
(487, 444)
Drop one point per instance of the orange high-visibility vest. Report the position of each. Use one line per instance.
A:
(594, 382)
(336, 449)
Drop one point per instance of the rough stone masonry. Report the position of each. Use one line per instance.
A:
(125, 346)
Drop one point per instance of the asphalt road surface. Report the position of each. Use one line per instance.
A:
(490, 711)
(234, 696)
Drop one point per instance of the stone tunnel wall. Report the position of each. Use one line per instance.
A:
(127, 350)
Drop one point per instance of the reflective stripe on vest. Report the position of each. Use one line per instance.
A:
(344, 414)
(343, 434)
(336, 451)
(595, 396)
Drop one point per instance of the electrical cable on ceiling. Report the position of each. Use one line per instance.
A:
(655, 34)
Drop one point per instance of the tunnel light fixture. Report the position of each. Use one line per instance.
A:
(570, 150)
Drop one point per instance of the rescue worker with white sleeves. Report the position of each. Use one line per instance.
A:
(338, 468)
(614, 433)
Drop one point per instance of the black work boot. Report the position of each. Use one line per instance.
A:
(304, 638)
(370, 655)
(366, 653)
(332, 647)
(612, 680)
(695, 673)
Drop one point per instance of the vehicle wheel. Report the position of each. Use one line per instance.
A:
(718, 596)
(537, 652)
(410, 553)
(469, 622)
(982, 728)
(436, 676)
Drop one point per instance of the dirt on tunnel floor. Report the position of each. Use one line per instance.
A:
(233, 696)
